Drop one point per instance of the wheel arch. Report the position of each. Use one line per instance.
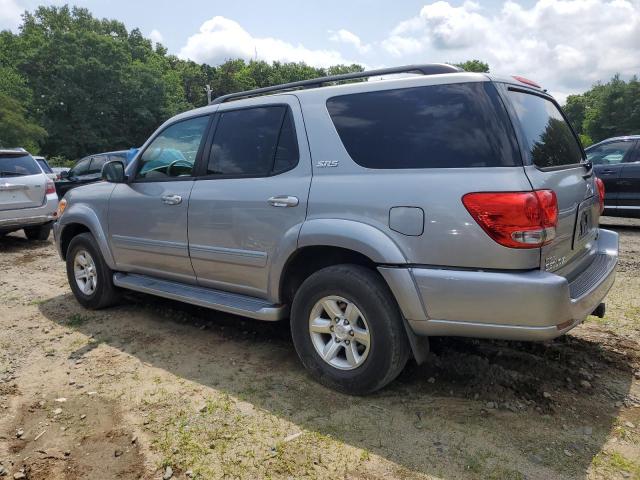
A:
(80, 219)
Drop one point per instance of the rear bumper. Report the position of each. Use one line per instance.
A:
(28, 217)
(530, 305)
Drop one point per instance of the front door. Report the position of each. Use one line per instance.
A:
(247, 208)
(629, 199)
(608, 161)
(148, 215)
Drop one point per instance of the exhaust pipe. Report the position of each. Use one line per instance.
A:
(599, 311)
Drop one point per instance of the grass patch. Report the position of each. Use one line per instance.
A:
(76, 320)
(615, 462)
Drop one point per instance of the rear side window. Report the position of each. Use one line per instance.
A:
(549, 141)
(254, 142)
(439, 126)
(18, 166)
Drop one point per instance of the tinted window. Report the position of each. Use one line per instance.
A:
(121, 156)
(609, 153)
(44, 165)
(548, 137)
(254, 142)
(97, 163)
(18, 165)
(439, 126)
(173, 152)
(80, 168)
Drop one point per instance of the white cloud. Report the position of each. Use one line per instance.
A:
(10, 13)
(155, 36)
(349, 38)
(565, 44)
(220, 39)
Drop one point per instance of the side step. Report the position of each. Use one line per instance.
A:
(204, 297)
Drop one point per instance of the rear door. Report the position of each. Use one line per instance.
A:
(22, 183)
(247, 208)
(608, 161)
(553, 160)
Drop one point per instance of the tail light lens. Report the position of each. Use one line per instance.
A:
(515, 219)
(51, 187)
(600, 185)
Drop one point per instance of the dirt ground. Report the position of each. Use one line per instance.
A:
(154, 389)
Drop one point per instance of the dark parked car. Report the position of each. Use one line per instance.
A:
(617, 162)
(88, 169)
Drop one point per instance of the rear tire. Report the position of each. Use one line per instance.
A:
(90, 278)
(367, 347)
(41, 232)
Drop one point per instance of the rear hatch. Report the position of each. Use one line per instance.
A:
(22, 183)
(554, 161)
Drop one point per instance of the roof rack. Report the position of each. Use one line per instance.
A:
(425, 69)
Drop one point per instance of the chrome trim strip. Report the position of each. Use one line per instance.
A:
(149, 245)
(237, 256)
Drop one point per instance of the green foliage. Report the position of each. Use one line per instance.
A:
(15, 128)
(94, 86)
(607, 110)
(474, 66)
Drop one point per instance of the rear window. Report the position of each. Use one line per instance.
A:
(18, 166)
(439, 126)
(549, 141)
(44, 165)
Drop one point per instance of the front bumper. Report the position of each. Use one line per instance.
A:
(29, 217)
(530, 305)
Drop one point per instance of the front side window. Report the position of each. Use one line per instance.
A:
(549, 141)
(97, 163)
(609, 153)
(80, 168)
(254, 142)
(18, 165)
(458, 125)
(173, 153)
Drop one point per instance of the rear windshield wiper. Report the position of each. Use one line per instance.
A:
(5, 173)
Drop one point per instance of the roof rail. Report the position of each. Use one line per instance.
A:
(425, 69)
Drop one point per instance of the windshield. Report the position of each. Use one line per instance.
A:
(18, 165)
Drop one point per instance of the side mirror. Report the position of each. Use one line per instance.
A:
(64, 174)
(113, 172)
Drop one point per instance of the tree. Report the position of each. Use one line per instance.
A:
(474, 66)
(15, 129)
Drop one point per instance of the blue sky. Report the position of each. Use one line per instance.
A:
(565, 44)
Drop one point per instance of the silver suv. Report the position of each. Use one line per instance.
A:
(28, 199)
(373, 214)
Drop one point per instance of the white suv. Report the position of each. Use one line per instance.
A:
(28, 197)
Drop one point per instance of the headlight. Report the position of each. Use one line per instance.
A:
(62, 204)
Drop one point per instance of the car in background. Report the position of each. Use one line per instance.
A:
(617, 162)
(46, 168)
(28, 199)
(88, 170)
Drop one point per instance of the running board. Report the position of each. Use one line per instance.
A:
(204, 297)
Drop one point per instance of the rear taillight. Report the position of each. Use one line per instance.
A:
(51, 187)
(600, 185)
(515, 219)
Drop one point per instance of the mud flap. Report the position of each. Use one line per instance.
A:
(419, 344)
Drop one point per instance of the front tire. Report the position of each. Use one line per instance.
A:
(347, 329)
(41, 232)
(90, 278)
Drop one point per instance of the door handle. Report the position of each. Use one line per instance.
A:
(171, 199)
(608, 170)
(283, 201)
